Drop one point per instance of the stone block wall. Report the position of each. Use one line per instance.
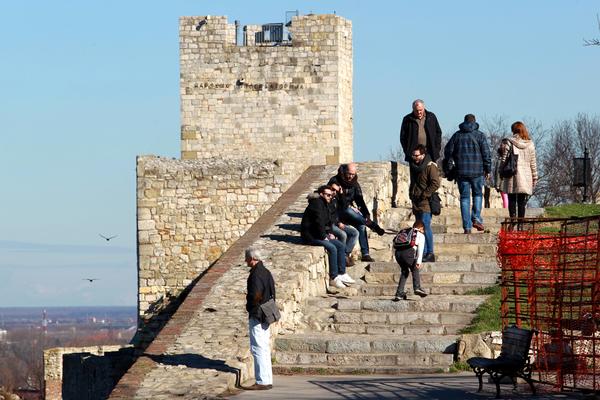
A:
(292, 101)
(54, 362)
(189, 213)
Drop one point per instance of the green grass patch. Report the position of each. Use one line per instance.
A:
(572, 210)
(459, 366)
(488, 313)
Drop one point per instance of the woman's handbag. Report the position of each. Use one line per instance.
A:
(435, 204)
(270, 311)
(509, 168)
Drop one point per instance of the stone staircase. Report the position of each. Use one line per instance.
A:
(360, 330)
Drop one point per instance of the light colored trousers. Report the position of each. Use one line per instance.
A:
(260, 347)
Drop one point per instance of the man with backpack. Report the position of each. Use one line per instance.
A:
(469, 150)
(424, 181)
(409, 244)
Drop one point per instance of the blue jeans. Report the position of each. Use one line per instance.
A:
(355, 219)
(348, 235)
(426, 218)
(336, 252)
(466, 186)
(260, 347)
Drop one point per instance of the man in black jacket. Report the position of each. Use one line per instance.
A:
(316, 229)
(261, 288)
(420, 127)
(353, 209)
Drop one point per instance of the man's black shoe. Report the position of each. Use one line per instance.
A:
(429, 257)
(367, 258)
(478, 225)
(420, 292)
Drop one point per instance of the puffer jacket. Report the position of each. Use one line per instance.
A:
(424, 180)
(526, 174)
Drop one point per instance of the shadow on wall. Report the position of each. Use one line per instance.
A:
(196, 361)
(161, 310)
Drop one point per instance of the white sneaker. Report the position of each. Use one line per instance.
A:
(346, 278)
(337, 282)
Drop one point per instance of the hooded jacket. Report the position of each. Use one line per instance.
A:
(469, 149)
(351, 193)
(424, 180)
(526, 174)
(409, 135)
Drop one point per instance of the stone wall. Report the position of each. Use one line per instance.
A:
(54, 363)
(291, 101)
(189, 212)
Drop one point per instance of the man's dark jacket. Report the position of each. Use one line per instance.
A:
(261, 287)
(409, 135)
(351, 193)
(469, 149)
(316, 221)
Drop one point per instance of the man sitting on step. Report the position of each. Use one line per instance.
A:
(316, 229)
(358, 216)
(344, 232)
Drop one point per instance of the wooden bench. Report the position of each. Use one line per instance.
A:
(513, 361)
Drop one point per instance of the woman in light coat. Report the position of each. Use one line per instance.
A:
(520, 186)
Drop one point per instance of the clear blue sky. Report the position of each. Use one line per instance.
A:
(85, 86)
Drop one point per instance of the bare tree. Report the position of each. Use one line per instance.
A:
(567, 140)
(593, 42)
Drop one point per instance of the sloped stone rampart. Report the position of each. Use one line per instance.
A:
(204, 349)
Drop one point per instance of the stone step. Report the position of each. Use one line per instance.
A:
(406, 329)
(389, 290)
(438, 266)
(434, 278)
(445, 303)
(455, 220)
(330, 343)
(461, 238)
(391, 319)
(363, 359)
(440, 256)
(296, 369)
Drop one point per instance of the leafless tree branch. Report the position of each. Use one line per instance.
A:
(593, 42)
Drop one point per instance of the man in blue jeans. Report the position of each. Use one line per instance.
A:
(469, 150)
(352, 206)
(424, 181)
(316, 229)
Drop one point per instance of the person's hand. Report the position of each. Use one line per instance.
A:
(330, 236)
(418, 266)
(341, 225)
(488, 175)
(355, 209)
(534, 183)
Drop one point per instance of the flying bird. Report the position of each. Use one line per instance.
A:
(90, 279)
(107, 238)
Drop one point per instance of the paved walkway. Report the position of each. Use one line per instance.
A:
(458, 386)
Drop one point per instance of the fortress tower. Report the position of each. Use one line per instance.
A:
(281, 100)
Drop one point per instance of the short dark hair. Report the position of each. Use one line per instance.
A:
(322, 188)
(469, 118)
(421, 147)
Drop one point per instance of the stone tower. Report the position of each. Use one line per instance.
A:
(290, 101)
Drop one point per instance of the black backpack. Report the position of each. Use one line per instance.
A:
(509, 168)
(405, 239)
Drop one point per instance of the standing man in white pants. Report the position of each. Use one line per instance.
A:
(261, 288)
